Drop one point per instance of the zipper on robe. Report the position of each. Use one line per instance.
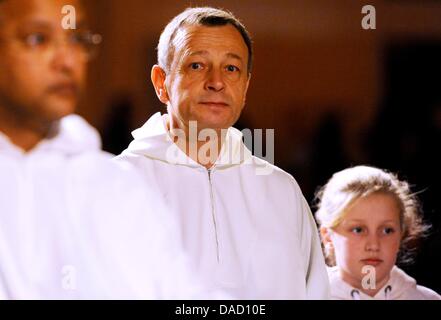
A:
(213, 213)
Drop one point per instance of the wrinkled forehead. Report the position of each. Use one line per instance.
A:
(200, 37)
(19, 12)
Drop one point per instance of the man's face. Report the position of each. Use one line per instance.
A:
(208, 77)
(41, 75)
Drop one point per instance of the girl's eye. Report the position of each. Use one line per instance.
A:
(232, 68)
(388, 230)
(357, 230)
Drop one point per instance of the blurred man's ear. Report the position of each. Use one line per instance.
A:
(158, 77)
(248, 83)
(246, 91)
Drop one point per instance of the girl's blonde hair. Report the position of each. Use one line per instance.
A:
(345, 187)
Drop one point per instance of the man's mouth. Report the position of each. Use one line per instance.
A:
(214, 103)
(64, 89)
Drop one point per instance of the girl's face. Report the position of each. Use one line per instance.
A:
(370, 234)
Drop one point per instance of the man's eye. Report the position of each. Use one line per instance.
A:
(232, 68)
(84, 39)
(36, 39)
(78, 38)
(196, 66)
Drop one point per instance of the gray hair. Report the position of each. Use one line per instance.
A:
(202, 16)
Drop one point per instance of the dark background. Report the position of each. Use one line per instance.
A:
(336, 95)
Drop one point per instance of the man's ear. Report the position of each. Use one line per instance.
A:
(248, 83)
(325, 233)
(158, 77)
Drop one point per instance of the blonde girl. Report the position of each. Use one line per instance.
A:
(368, 219)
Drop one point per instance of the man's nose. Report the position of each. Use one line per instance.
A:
(215, 80)
(372, 243)
(65, 58)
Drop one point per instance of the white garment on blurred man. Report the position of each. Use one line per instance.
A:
(75, 225)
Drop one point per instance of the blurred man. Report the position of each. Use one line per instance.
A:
(249, 231)
(73, 224)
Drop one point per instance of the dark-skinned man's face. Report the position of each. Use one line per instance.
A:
(42, 70)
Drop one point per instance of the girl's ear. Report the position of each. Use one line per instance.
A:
(326, 237)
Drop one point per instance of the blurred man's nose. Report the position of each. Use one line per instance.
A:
(65, 58)
(215, 80)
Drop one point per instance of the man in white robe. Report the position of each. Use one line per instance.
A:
(73, 224)
(244, 222)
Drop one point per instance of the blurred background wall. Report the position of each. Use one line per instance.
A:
(336, 95)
